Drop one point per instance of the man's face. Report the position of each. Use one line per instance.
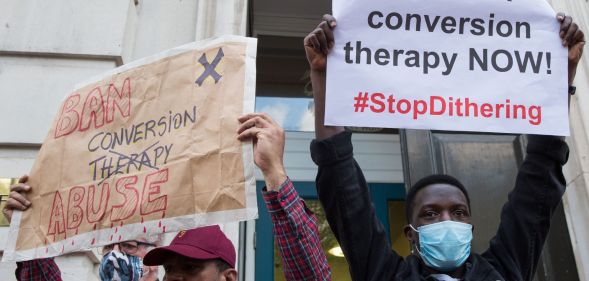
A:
(436, 203)
(178, 268)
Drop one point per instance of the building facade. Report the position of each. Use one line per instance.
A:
(46, 47)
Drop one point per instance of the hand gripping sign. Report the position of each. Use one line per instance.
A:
(147, 148)
(489, 65)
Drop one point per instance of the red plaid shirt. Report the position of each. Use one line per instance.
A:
(38, 270)
(296, 234)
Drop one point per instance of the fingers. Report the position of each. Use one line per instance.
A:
(260, 120)
(320, 34)
(20, 187)
(261, 115)
(16, 198)
(328, 33)
(321, 38)
(17, 202)
(570, 34)
(569, 37)
(254, 123)
(315, 39)
(250, 133)
(578, 37)
(311, 42)
(20, 197)
(330, 20)
(565, 24)
(23, 179)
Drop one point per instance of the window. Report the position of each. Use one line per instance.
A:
(292, 114)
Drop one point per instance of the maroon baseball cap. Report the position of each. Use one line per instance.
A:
(201, 243)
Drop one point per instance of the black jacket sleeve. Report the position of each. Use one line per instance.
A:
(525, 218)
(344, 194)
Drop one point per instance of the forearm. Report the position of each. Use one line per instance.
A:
(344, 194)
(297, 235)
(318, 79)
(525, 218)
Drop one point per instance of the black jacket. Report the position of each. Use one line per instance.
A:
(513, 252)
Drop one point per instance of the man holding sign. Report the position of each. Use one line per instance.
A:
(438, 206)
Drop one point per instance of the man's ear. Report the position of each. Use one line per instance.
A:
(229, 274)
(409, 233)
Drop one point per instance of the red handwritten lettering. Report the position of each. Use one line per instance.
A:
(134, 199)
(151, 187)
(94, 112)
(94, 215)
(126, 187)
(120, 99)
(56, 219)
(68, 118)
(74, 211)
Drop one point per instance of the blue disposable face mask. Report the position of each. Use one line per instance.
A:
(444, 246)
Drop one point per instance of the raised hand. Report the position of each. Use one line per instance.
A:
(319, 42)
(573, 38)
(268, 139)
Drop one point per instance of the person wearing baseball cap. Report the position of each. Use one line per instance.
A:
(203, 253)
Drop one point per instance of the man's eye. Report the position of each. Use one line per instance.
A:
(430, 214)
(459, 213)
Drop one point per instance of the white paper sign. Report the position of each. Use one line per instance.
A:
(486, 65)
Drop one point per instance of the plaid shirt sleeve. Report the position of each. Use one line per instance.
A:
(296, 234)
(38, 270)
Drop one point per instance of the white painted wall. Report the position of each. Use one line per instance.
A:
(68, 27)
(163, 25)
(33, 88)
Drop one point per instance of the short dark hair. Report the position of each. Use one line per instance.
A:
(222, 265)
(429, 180)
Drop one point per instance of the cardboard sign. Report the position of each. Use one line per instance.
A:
(489, 66)
(148, 148)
